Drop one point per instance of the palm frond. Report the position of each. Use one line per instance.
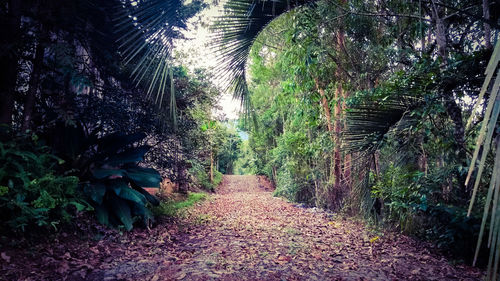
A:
(146, 30)
(369, 121)
(234, 34)
(488, 128)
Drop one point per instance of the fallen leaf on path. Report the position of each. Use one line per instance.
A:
(5, 257)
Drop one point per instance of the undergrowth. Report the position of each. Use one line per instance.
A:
(33, 195)
(202, 176)
(171, 208)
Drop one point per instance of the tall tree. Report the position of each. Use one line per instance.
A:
(9, 57)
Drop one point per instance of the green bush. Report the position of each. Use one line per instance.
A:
(217, 178)
(111, 178)
(171, 208)
(115, 187)
(32, 194)
(202, 176)
(286, 185)
(401, 190)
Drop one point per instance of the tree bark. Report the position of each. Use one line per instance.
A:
(9, 36)
(422, 33)
(325, 105)
(29, 103)
(211, 166)
(487, 28)
(347, 156)
(452, 108)
(337, 157)
(337, 192)
(441, 38)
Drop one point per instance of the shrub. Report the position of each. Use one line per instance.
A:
(115, 187)
(111, 178)
(202, 177)
(31, 193)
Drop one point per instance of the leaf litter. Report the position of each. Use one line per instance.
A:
(242, 233)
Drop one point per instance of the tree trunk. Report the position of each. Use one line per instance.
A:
(441, 38)
(376, 163)
(275, 175)
(337, 157)
(487, 28)
(422, 35)
(452, 108)
(211, 166)
(9, 34)
(325, 105)
(337, 191)
(29, 104)
(347, 157)
(423, 165)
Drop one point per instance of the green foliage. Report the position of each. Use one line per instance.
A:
(150, 59)
(172, 208)
(32, 193)
(116, 185)
(201, 175)
(245, 164)
(111, 178)
(229, 150)
(288, 139)
(452, 230)
(400, 189)
(218, 147)
(399, 118)
(217, 179)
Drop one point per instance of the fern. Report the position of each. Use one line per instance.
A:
(31, 193)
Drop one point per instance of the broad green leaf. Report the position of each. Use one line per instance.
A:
(132, 195)
(141, 210)
(79, 207)
(144, 177)
(121, 209)
(122, 190)
(117, 185)
(151, 198)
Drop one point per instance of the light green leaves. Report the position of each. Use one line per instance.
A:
(484, 140)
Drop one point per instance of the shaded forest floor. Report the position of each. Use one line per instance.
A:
(241, 233)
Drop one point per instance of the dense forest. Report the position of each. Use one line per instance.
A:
(384, 112)
(364, 109)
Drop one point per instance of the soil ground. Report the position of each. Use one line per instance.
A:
(241, 233)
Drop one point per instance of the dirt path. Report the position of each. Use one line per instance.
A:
(243, 233)
(249, 234)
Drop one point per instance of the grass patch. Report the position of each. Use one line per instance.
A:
(172, 208)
